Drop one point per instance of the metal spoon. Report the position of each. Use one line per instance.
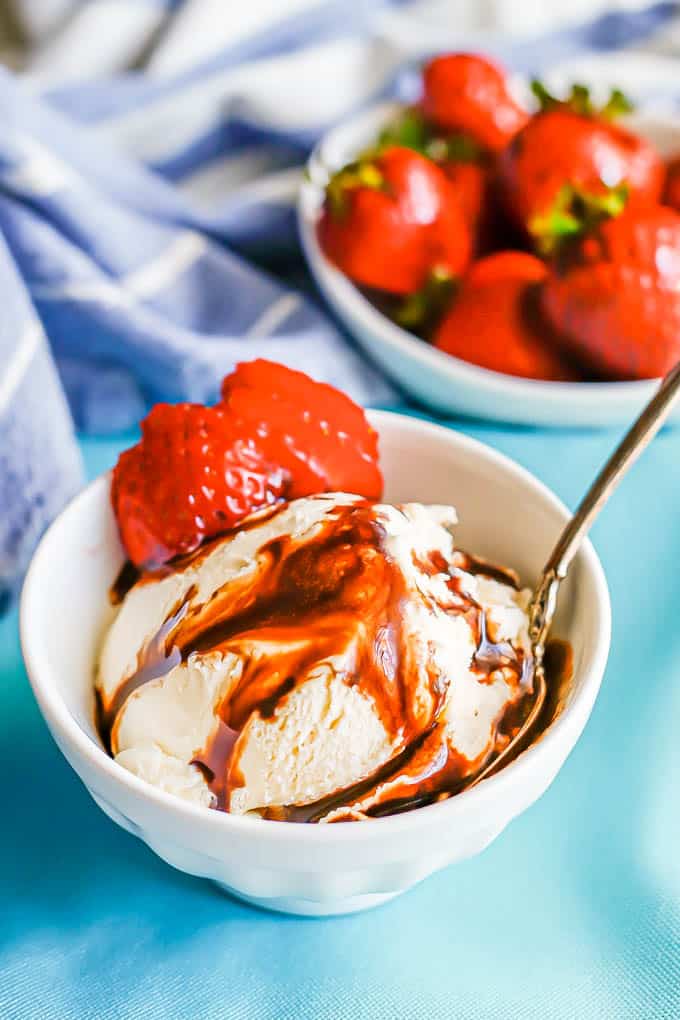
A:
(544, 601)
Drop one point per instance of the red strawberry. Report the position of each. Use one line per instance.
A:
(471, 182)
(390, 221)
(614, 295)
(466, 93)
(197, 471)
(476, 187)
(469, 167)
(314, 432)
(671, 194)
(494, 321)
(572, 143)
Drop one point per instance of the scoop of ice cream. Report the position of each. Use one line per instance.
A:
(331, 653)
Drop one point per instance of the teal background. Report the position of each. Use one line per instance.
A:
(573, 914)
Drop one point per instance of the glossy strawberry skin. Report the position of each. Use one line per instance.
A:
(671, 194)
(192, 476)
(391, 238)
(315, 433)
(559, 147)
(615, 297)
(463, 92)
(494, 321)
(198, 471)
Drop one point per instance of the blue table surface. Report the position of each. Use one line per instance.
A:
(573, 913)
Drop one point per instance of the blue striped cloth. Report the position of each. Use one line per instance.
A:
(140, 207)
(40, 465)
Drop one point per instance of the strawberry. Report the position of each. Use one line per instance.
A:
(314, 432)
(466, 93)
(614, 294)
(671, 194)
(571, 142)
(467, 165)
(471, 181)
(194, 473)
(494, 321)
(391, 220)
(198, 471)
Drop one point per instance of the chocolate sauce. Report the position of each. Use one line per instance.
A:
(412, 787)
(306, 601)
(128, 577)
(336, 596)
(130, 574)
(477, 565)
(353, 794)
(156, 658)
(214, 759)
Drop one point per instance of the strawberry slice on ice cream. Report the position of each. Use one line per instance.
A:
(198, 471)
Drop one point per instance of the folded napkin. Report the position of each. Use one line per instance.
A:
(125, 200)
(135, 203)
(40, 467)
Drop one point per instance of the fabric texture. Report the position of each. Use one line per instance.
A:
(40, 466)
(128, 200)
(149, 161)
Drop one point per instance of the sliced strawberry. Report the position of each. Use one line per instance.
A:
(466, 93)
(194, 474)
(198, 471)
(494, 322)
(311, 430)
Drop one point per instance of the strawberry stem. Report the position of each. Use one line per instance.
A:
(408, 129)
(617, 104)
(361, 174)
(573, 213)
(579, 101)
(411, 130)
(420, 311)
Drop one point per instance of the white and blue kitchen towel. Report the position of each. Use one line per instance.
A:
(149, 155)
(39, 462)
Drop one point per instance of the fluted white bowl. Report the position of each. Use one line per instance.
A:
(506, 515)
(446, 384)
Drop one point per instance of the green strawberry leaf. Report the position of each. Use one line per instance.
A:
(579, 101)
(409, 129)
(575, 212)
(617, 104)
(420, 311)
(463, 149)
(360, 174)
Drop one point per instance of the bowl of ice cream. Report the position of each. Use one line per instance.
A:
(505, 516)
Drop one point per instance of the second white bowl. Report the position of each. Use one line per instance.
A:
(438, 380)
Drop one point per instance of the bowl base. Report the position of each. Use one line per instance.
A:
(311, 908)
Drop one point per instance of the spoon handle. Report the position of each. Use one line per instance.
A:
(624, 456)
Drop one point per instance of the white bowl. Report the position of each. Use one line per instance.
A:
(506, 514)
(438, 380)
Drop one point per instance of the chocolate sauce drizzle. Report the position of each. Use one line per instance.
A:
(155, 659)
(336, 594)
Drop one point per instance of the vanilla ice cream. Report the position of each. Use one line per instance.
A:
(330, 659)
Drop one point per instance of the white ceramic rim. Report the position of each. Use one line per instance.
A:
(537, 756)
(309, 204)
